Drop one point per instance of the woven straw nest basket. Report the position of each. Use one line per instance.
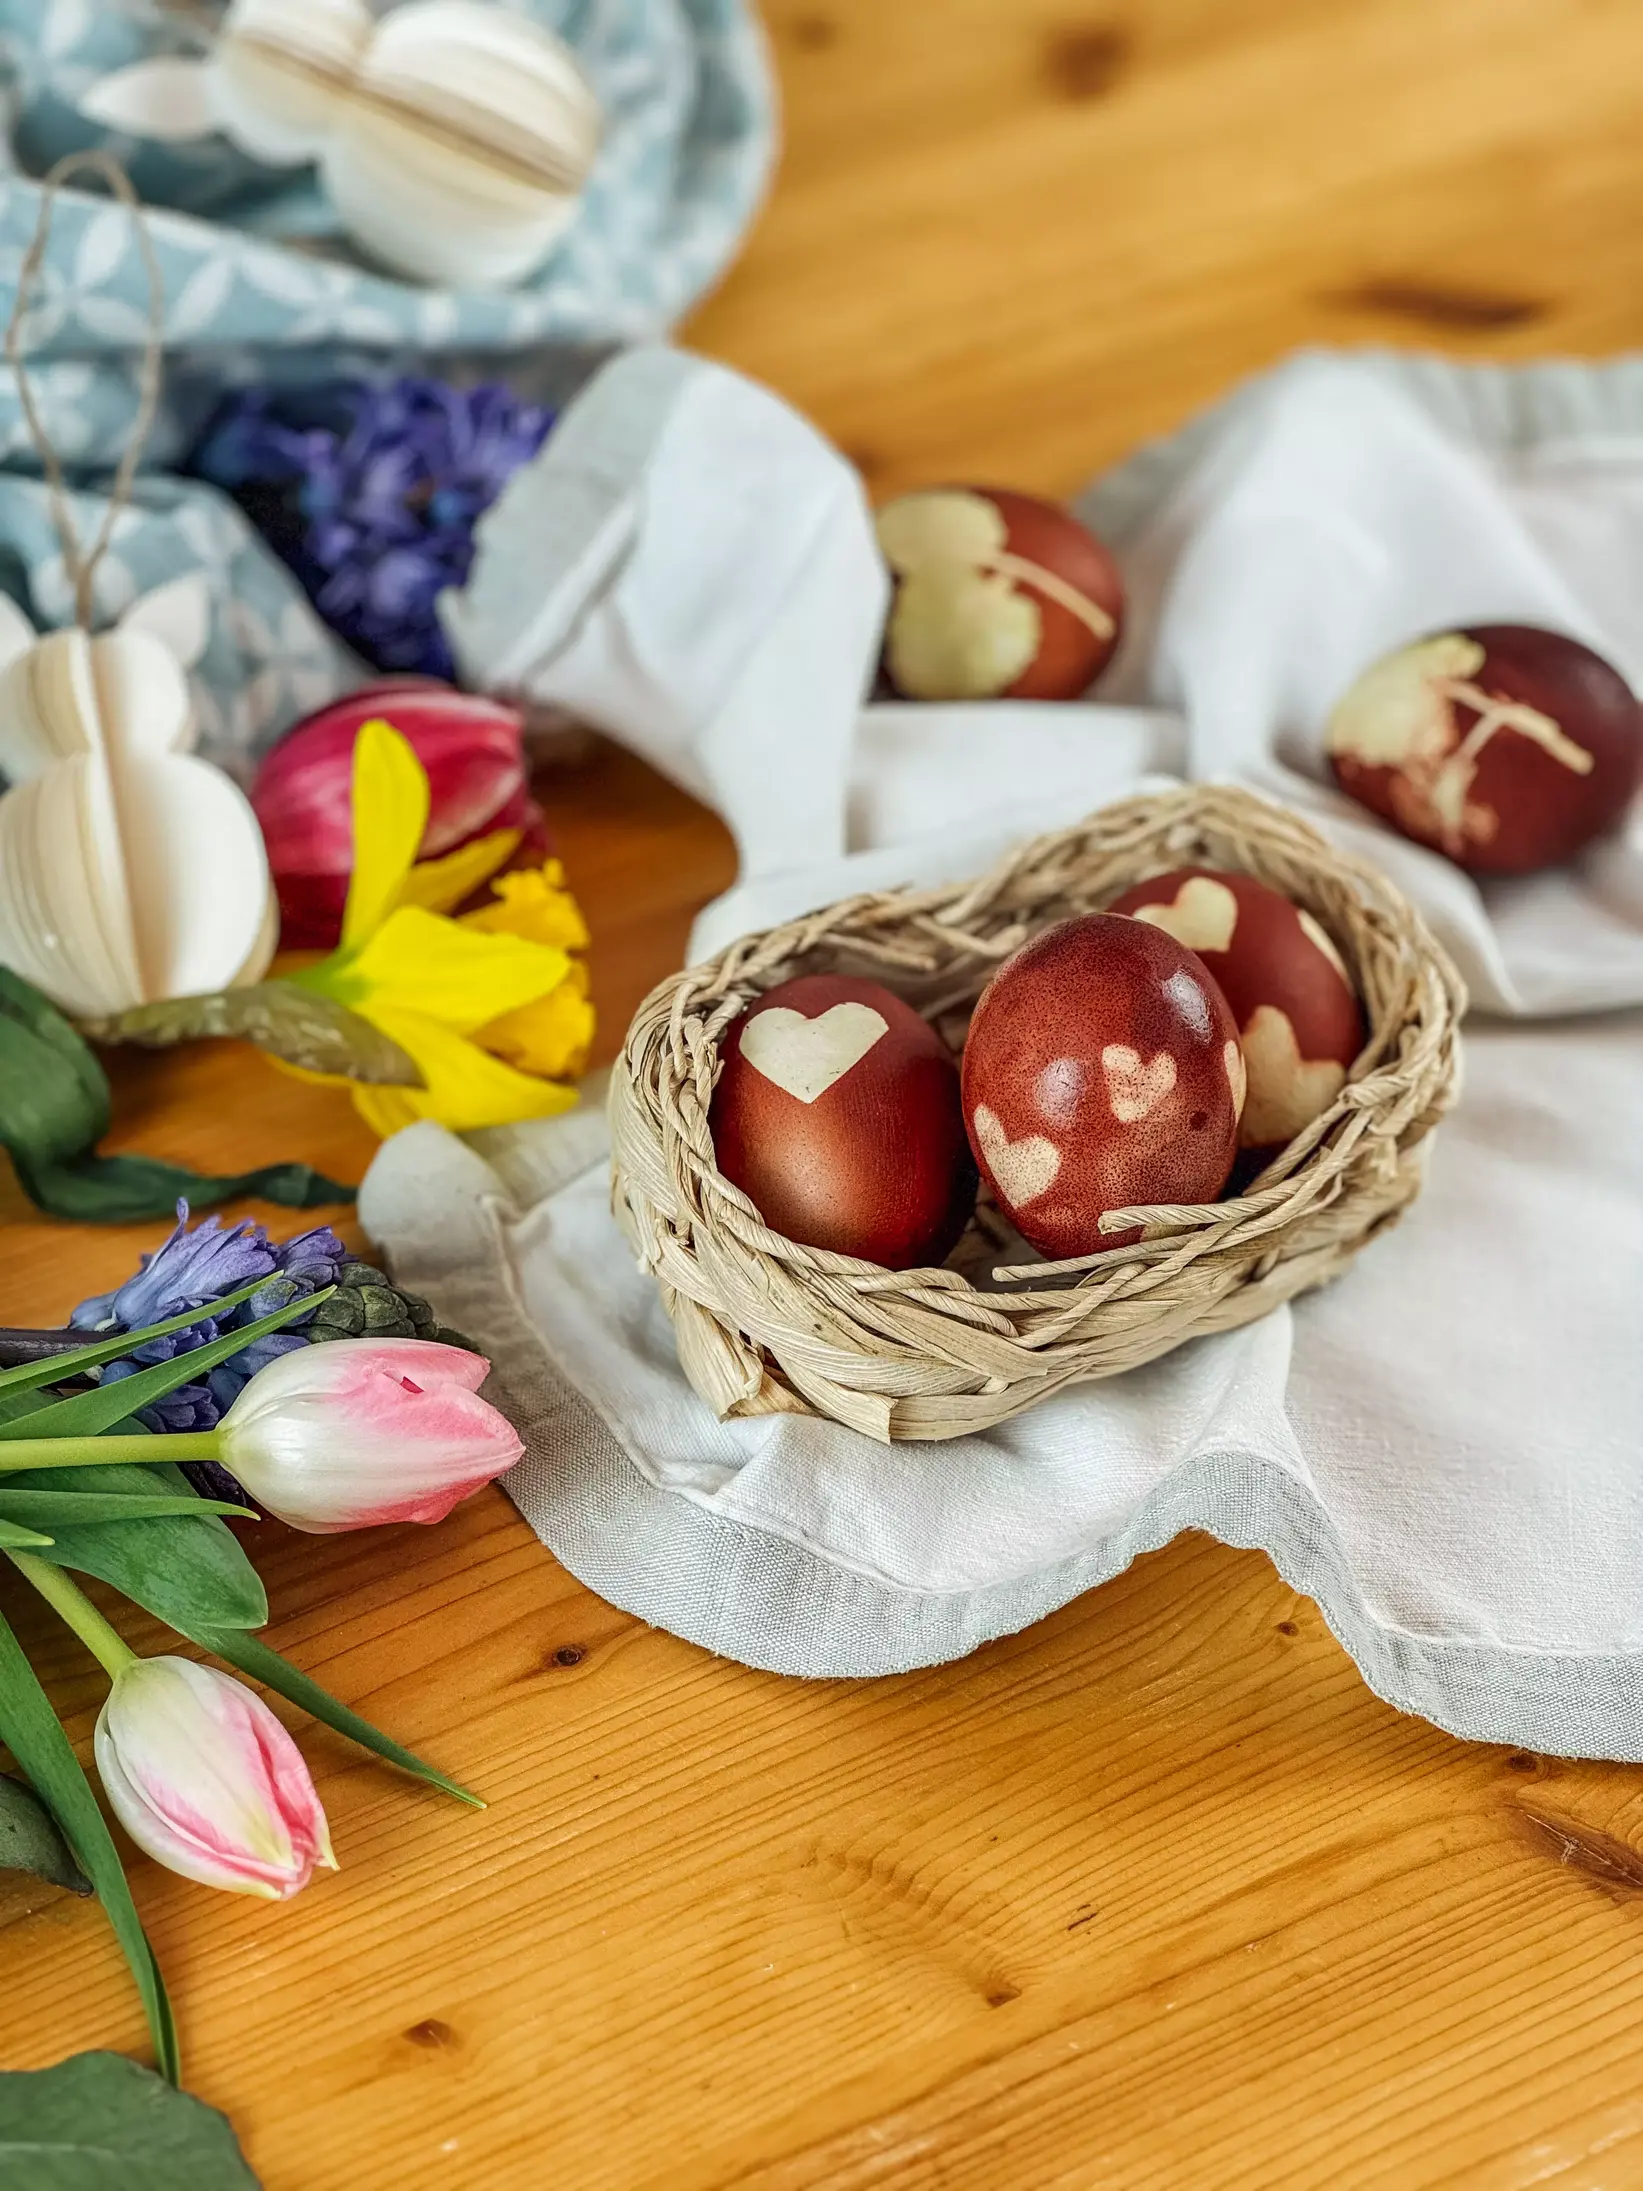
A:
(765, 1325)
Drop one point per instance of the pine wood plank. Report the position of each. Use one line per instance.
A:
(1156, 1895)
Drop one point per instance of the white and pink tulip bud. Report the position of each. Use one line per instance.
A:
(361, 1431)
(206, 1780)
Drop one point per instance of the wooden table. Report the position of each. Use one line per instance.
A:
(1156, 1895)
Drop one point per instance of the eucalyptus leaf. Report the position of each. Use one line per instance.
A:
(52, 1509)
(250, 1655)
(99, 2122)
(75, 1361)
(54, 1109)
(85, 1414)
(186, 1569)
(29, 1840)
(30, 1729)
(293, 1023)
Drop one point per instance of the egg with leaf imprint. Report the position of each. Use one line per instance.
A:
(997, 595)
(1102, 1072)
(130, 870)
(1504, 746)
(837, 1114)
(1299, 1021)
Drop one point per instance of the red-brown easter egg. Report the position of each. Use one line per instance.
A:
(837, 1114)
(1298, 1016)
(1507, 747)
(1102, 1069)
(998, 596)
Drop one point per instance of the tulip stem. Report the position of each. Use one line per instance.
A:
(165, 1445)
(110, 1651)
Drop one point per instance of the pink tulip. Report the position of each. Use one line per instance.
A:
(358, 1431)
(205, 1779)
(472, 749)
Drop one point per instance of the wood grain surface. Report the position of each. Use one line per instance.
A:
(1156, 1895)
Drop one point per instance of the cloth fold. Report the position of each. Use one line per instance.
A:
(1441, 1446)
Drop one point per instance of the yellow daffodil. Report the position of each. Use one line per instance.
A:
(491, 1007)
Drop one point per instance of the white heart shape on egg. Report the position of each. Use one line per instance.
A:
(1237, 1075)
(1286, 1091)
(1202, 914)
(1022, 1170)
(1135, 1090)
(806, 1057)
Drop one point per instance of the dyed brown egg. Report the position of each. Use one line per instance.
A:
(1102, 1069)
(1507, 747)
(998, 595)
(837, 1114)
(1299, 1020)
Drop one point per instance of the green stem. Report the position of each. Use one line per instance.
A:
(165, 1445)
(110, 1651)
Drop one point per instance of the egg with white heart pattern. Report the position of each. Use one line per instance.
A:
(1102, 1071)
(837, 1114)
(1299, 1020)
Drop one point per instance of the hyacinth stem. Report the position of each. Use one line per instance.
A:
(67, 1599)
(166, 1445)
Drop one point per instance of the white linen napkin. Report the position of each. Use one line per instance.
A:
(1442, 1446)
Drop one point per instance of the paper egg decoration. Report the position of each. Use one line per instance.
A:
(1507, 747)
(130, 870)
(998, 595)
(1299, 1021)
(837, 1114)
(1102, 1070)
(453, 136)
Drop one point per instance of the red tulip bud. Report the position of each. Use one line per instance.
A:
(472, 749)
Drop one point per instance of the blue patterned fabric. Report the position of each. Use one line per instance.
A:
(261, 286)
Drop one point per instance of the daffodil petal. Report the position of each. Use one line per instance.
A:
(390, 810)
(440, 884)
(465, 1089)
(422, 962)
(551, 1035)
(533, 902)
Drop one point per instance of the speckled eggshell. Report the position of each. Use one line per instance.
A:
(1298, 1016)
(1102, 1070)
(1506, 747)
(837, 1114)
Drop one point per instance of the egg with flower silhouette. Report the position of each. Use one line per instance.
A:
(1504, 746)
(997, 595)
(837, 1114)
(1299, 1021)
(1102, 1071)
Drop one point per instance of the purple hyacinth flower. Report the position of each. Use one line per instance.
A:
(371, 494)
(192, 1269)
(185, 1271)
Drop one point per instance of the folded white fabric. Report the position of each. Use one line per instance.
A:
(1441, 1447)
(689, 565)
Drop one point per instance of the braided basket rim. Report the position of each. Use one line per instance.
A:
(767, 1325)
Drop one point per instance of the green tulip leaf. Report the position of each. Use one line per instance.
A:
(29, 1840)
(74, 1507)
(54, 1109)
(99, 2122)
(29, 1727)
(21, 1539)
(85, 1414)
(56, 1369)
(186, 1569)
(250, 1655)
